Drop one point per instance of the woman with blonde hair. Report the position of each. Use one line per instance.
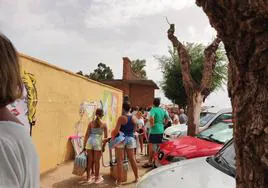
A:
(93, 144)
(19, 161)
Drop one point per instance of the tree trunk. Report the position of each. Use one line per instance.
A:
(195, 93)
(242, 26)
(195, 100)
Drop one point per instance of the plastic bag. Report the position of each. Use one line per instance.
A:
(80, 164)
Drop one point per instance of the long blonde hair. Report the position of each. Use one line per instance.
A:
(99, 115)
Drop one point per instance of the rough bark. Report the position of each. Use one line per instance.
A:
(195, 100)
(185, 60)
(196, 94)
(243, 28)
(209, 65)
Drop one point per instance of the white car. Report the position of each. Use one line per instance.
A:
(205, 172)
(209, 117)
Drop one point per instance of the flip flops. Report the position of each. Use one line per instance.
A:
(147, 165)
(99, 180)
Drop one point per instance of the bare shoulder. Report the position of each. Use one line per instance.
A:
(90, 124)
(122, 119)
(134, 119)
(103, 125)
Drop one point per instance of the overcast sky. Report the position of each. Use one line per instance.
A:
(78, 34)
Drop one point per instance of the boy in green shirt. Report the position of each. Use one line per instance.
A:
(157, 119)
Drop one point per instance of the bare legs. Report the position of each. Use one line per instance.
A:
(97, 156)
(141, 142)
(90, 159)
(132, 160)
(151, 153)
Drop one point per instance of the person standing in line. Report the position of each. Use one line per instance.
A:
(126, 124)
(141, 130)
(135, 110)
(93, 145)
(169, 121)
(176, 120)
(183, 117)
(19, 162)
(158, 117)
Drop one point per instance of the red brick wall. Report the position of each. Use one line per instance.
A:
(128, 73)
(122, 86)
(141, 95)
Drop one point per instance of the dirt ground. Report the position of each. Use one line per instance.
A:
(62, 177)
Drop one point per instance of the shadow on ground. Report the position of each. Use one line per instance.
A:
(75, 182)
(62, 177)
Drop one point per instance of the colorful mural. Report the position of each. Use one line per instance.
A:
(110, 108)
(109, 104)
(25, 108)
(29, 81)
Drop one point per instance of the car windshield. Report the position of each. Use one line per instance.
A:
(205, 118)
(224, 160)
(227, 154)
(220, 132)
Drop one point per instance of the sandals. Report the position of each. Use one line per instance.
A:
(147, 165)
(118, 184)
(99, 180)
(136, 180)
(91, 180)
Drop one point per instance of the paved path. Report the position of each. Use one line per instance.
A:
(62, 177)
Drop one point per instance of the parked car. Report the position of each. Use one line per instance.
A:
(205, 172)
(209, 117)
(206, 143)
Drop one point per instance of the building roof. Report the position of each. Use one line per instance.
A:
(139, 82)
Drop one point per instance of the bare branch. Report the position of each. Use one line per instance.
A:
(185, 60)
(167, 21)
(209, 65)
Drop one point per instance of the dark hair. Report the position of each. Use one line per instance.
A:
(126, 98)
(157, 102)
(126, 106)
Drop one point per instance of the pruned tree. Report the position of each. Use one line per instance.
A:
(172, 83)
(243, 27)
(196, 93)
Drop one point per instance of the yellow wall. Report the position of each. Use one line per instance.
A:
(60, 94)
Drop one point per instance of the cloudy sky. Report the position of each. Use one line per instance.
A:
(78, 34)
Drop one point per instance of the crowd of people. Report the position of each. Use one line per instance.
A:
(134, 127)
(19, 161)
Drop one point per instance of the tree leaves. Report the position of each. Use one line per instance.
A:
(103, 72)
(138, 68)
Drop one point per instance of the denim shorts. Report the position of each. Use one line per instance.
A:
(94, 143)
(128, 143)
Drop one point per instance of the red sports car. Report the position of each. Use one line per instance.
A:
(206, 143)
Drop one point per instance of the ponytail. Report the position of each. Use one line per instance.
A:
(98, 121)
(99, 115)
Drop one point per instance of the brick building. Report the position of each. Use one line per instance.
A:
(140, 92)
